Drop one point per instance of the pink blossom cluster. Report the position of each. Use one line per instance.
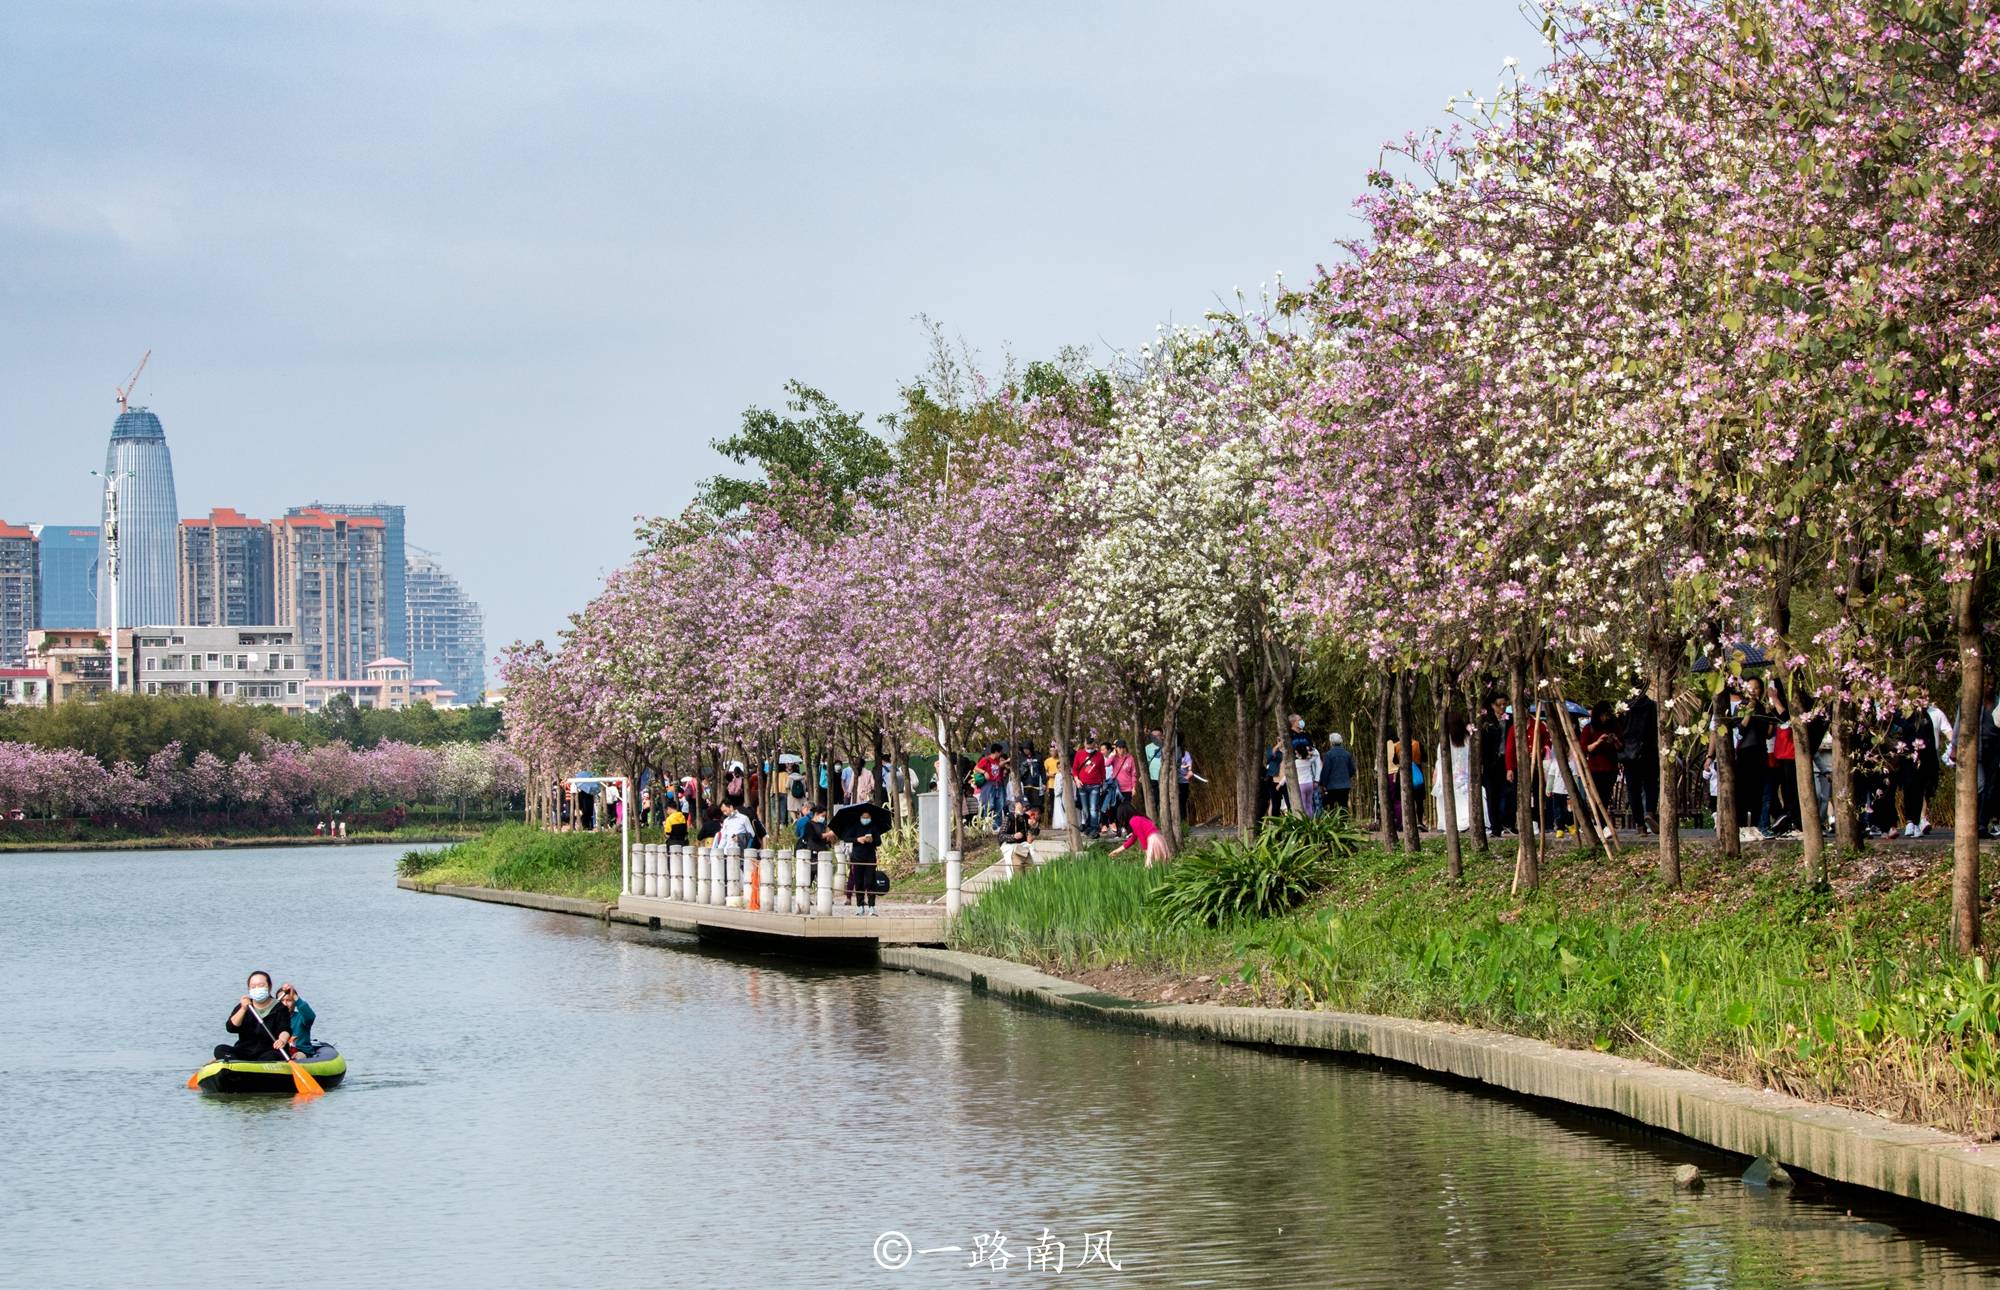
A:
(279, 777)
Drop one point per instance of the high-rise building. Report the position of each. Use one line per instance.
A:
(69, 574)
(329, 584)
(141, 471)
(226, 578)
(20, 591)
(396, 608)
(447, 629)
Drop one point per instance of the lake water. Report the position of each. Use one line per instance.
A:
(537, 1100)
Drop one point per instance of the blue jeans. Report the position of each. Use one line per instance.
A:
(993, 801)
(1089, 806)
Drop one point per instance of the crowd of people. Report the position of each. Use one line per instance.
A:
(1613, 754)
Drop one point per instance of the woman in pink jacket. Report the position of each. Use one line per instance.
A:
(1147, 835)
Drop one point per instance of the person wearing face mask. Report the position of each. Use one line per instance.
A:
(261, 1023)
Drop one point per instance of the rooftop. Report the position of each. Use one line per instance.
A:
(223, 517)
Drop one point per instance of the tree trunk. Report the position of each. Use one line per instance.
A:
(1378, 767)
(1249, 766)
(1965, 884)
(1668, 810)
(1527, 759)
(1447, 791)
(1567, 755)
(1722, 750)
(1814, 858)
(1170, 775)
(1848, 833)
(1405, 771)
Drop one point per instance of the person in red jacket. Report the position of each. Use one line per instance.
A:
(1088, 767)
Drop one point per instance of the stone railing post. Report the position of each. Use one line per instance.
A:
(676, 871)
(840, 866)
(649, 863)
(767, 876)
(954, 884)
(823, 894)
(733, 896)
(782, 891)
(705, 871)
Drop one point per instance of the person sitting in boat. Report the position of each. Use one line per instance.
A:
(262, 1025)
(302, 1017)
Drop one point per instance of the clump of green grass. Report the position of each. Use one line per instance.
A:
(1085, 911)
(518, 857)
(1293, 859)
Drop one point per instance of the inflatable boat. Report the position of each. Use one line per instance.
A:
(324, 1063)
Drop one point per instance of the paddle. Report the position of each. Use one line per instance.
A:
(302, 1081)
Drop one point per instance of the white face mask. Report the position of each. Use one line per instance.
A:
(260, 993)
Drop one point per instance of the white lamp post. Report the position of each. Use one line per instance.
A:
(111, 558)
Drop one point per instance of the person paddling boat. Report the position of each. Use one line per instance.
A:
(261, 1023)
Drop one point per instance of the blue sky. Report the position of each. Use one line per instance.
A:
(516, 264)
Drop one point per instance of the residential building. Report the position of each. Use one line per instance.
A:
(69, 574)
(329, 585)
(447, 628)
(20, 591)
(395, 605)
(23, 685)
(386, 685)
(431, 690)
(77, 660)
(141, 472)
(258, 664)
(225, 571)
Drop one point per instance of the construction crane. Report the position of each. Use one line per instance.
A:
(125, 391)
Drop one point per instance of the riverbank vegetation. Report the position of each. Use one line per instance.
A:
(1670, 364)
(218, 829)
(65, 792)
(517, 857)
(1842, 994)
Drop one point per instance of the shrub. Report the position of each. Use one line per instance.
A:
(1222, 881)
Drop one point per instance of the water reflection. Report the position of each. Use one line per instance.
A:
(543, 1100)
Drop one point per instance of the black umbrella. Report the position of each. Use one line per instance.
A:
(850, 822)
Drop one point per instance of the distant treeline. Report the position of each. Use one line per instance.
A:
(133, 727)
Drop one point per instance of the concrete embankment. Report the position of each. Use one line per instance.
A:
(1910, 1161)
(538, 900)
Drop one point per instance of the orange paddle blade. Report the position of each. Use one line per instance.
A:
(194, 1080)
(303, 1081)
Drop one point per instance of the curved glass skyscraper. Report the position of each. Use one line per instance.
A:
(149, 564)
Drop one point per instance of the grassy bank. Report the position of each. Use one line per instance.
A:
(207, 829)
(518, 857)
(1841, 995)
(208, 842)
